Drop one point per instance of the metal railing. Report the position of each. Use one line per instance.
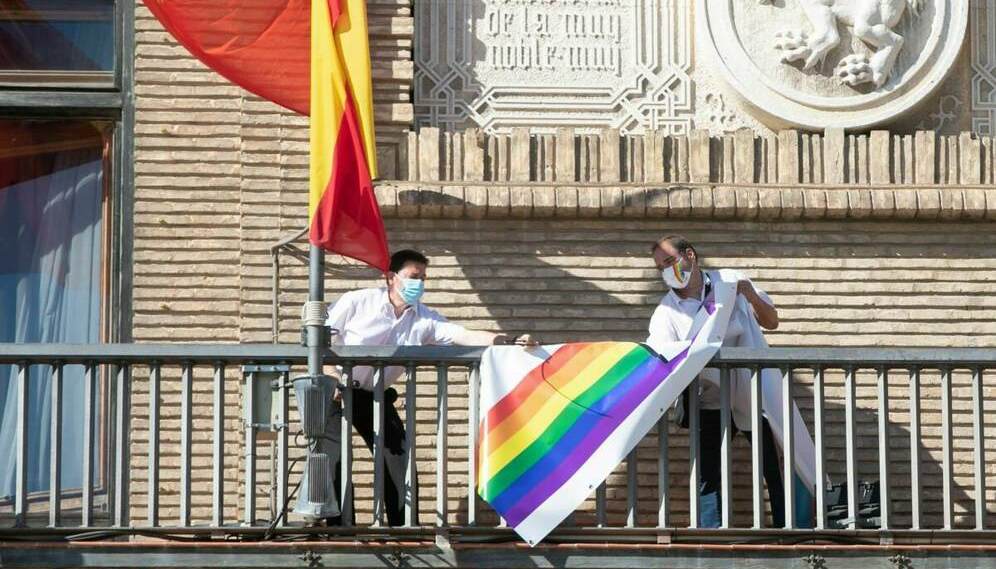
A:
(122, 368)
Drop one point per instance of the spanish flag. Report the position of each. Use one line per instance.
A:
(343, 210)
(264, 47)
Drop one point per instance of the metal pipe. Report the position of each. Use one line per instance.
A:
(663, 475)
(442, 448)
(282, 445)
(89, 427)
(725, 451)
(410, 475)
(21, 450)
(694, 466)
(978, 424)
(378, 427)
(883, 448)
(55, 450)
(122, 471)
(218, 448)
(346, 438)
(249, 448)
(788, 448)
(153, 467)
(947, 466)
(851, 458)
(601, 518)
(316, 293)
(821, 475)
(186, 433)
(631, 488)
(915, 447)
(473, 424)
(757, 457)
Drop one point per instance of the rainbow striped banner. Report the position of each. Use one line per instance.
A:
(557, 420)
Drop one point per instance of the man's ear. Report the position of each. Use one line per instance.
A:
(388, 277)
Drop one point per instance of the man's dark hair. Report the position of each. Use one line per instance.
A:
(400, 258)
(679, 242)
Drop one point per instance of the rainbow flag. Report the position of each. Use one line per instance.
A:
(557, 420)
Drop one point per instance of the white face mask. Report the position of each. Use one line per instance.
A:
(675, 276)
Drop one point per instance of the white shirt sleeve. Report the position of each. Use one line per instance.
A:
(439, 330)
(339, 313)
(661, 332)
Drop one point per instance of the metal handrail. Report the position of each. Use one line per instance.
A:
(120, 362)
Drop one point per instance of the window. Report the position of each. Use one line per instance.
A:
(66, 122)
(57, 42)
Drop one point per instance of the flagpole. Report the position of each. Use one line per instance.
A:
(316, 296)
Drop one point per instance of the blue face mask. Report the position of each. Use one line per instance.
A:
(411, 290)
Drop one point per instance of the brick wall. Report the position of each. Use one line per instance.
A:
(222, 175)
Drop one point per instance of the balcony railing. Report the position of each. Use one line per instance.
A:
(120, 371)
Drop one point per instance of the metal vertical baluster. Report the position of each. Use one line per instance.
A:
(218, 448)
(948, 452)
(442, 451)
(601, 517)
(282, 445)
(788, 448)
(122, 431)
(55, 450)
(725, 451)
(757, 457)
(410, 474)
(883, 447)
(818, 418)
(663, 475)
(153, 477)
(89, 426)
(694, 465)
(186, 431)
(21, 438)
(473, 424)
(249, 506)
(852, 463)
(915, 446)
(346, 438)
(978, 423)
(631, 488)
(378, 426)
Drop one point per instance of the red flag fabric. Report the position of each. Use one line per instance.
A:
(260, 45)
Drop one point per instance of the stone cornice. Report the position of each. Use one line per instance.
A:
(718, 201)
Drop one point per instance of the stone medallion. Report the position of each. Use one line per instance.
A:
(832, 63)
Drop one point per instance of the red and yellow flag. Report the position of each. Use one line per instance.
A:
(264, 47)
(342, 209)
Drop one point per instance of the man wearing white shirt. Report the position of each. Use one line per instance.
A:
(394, 315)
(689, 286)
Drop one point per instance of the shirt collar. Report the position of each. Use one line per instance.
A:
(388, 308)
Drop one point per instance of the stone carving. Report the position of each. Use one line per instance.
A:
(496, 64)
(948, 109)
(856, 63)
(721, 116)
(984, 68)
(872, 21)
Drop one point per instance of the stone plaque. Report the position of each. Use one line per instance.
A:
(549, 63)
(825, 63)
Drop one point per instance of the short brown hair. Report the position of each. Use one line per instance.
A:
(679, 242)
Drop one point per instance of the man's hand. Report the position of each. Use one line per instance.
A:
(766, 314)
(526, 340)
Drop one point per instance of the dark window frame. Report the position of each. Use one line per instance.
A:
(113, 103)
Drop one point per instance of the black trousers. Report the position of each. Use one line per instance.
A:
(711, 440)
(394, 443)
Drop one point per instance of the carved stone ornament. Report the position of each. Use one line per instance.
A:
(832, 63)
(497, 64)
